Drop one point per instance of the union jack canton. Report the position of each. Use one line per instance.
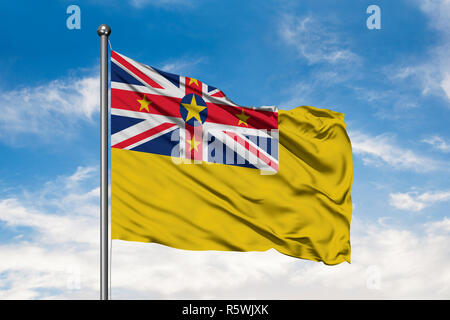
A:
(159, 112)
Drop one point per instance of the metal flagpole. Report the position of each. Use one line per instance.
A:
(104, 31)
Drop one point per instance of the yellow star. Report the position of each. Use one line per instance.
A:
(242, 118)
(193, 110)
(144, 104)
(194, 81)
(193, 144)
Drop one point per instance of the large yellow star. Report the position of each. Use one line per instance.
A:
(144, 104)
(192, 80)
(193, 110)
(242, 118)
(193, 144)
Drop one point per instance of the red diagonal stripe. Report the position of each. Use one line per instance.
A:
(134, 70)
(143, 135)
(218, 94)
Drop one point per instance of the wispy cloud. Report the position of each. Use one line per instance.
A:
(414, 201)
(445, 84)
(48, 109)
(160, 3)
(405, 201)
(314, 42)
(310, 91)
(438, 227)
(432, 75)
(61, 209)
(333, 65)
(439, 143)
(439, 11)
(81, 174)
(182, 66)
(382, 150)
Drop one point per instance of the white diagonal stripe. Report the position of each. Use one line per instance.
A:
(210, 126)
(154, 75)
(131, 131)
(147, 116)
(151, 138)
(140, 89)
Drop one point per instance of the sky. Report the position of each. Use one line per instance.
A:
(392, 84)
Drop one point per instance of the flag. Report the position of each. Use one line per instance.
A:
(192, 170)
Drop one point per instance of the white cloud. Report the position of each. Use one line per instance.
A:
(314, 42)
(160, 3)
(405, 201)
(62, 210)
(52, 239)
(48, 109)
(381, 150)
(432, 197)
(53, 228)
(320, 45)
(439, 12)
(438, 227)
(438, 143)
(310, 91)
(445, 84)
(387, 262)
(182, 66)
(59, 259)
(430, 77)
(433, 74)
(82, 173)
(414, 201)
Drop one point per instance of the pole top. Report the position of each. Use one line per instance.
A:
(104, 30)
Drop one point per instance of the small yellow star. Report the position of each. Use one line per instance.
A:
(192, 80)
(193, 109)
(242, 118)
(144, 104)
(193, 144)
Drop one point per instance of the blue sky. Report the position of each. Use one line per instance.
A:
(393, 85)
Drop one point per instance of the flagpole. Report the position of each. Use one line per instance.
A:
(104, 31)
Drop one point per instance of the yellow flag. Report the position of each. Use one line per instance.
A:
(302, 210)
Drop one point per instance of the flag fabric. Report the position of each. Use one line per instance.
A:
(192, 170)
